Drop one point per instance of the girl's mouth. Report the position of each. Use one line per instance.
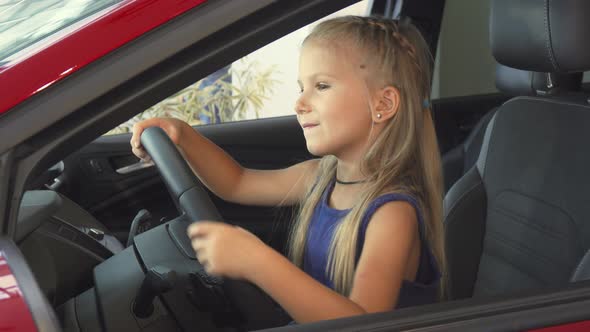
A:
(308, 125)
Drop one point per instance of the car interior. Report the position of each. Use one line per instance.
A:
(113, 232)
(518, 200)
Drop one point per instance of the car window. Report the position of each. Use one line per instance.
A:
(262, 84)
(464, 64)
(26, 23)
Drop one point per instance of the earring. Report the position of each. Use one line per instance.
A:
(378, 115)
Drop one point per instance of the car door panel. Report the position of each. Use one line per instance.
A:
(91, 177)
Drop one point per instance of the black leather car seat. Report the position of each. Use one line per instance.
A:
(520, 219)
(512, 82)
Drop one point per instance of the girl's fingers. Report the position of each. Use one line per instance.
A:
(193, 230)
(200, 228)
(205, 264)
(138, 129)
(135, 141)
(209, 268)
(198, 244)
(140, 153)
(202, 258)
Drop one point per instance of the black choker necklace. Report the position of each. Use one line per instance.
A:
(350, 182)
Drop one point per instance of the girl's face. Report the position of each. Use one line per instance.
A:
(333, 108)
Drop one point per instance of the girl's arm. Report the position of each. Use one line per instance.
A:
(391, 242)
(227, 178)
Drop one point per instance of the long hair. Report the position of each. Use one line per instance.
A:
(404, 158)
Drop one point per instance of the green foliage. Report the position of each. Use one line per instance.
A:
(247, 90)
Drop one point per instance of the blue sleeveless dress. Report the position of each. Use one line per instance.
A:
(423, 290)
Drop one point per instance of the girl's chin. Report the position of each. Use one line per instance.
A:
(316, 151)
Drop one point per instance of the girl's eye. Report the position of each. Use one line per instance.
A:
(322, 86)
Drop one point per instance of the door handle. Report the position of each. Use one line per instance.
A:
(134, 167)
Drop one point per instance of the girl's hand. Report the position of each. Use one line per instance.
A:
(174, 128)
(226, 250)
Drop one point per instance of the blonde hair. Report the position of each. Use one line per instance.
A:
(404, 158)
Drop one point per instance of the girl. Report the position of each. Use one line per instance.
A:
(368, 236)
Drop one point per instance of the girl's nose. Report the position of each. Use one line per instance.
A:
(301, 106)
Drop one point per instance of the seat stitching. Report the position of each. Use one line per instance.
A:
(522, 248)
(545, 101)
(570, 219)
(524, 221)
(548, 36)
(507, 262)
(517, 268)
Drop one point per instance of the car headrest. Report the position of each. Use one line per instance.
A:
(540, 35)
(518, 82)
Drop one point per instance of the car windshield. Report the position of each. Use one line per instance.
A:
(26, 22)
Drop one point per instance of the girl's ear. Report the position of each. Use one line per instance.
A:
(387, 105)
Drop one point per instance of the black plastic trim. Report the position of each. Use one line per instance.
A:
(35, 206)
(517, 312)
(6, 170)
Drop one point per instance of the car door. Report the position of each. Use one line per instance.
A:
(93, 176)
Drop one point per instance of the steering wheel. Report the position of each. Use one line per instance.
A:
(255, 307)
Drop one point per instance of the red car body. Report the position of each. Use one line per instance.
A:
(37, 69)
(15, 314)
